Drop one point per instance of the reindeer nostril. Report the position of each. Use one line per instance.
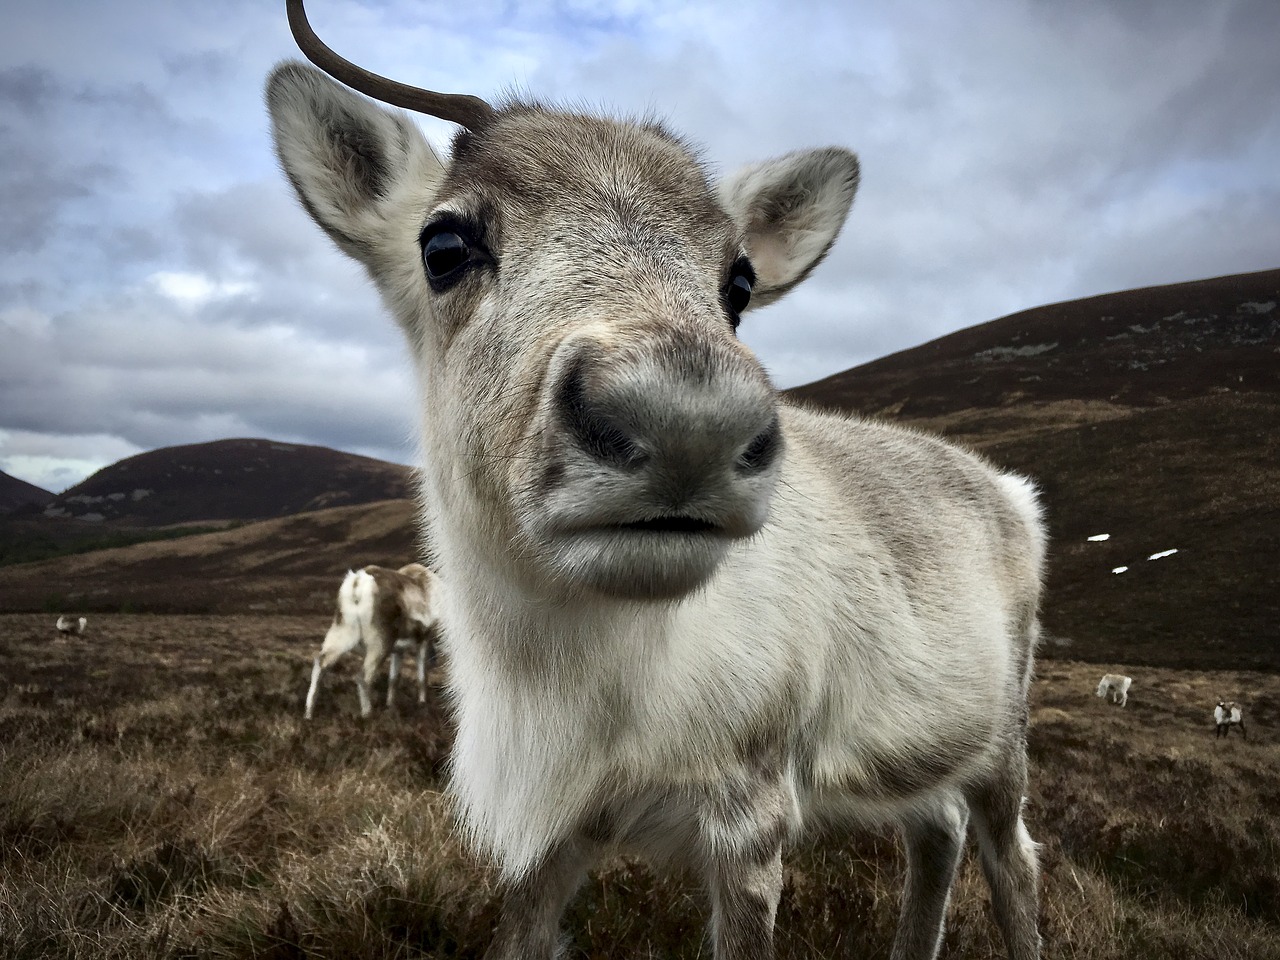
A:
(763, 450)
(595, 432)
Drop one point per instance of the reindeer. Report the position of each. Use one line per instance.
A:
(1114, 687)
(67, 624)
(683, 611)
(384, 612)
(1228, 714)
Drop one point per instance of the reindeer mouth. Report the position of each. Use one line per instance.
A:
(678, 525)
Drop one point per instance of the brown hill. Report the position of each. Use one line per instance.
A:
(285, 565)
(17, 494)
(1152, 416)
(229, 480)
(1138, 348)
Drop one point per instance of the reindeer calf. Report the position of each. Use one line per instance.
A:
(1115, 687)
(1228, 714)
(386, 612)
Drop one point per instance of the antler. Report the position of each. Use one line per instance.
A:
(471, 112)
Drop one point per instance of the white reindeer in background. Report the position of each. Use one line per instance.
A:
(1228, 714)
(1115, 688)
(66, 624)
(683, 613)
(384, 612)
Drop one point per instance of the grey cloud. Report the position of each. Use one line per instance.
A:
(1013, 154)
(35, 190)
(30, 90)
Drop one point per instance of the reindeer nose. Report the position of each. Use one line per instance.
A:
(681, 410)
(593, 428)
(763, 450)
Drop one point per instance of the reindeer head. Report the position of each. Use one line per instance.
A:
(570, 287)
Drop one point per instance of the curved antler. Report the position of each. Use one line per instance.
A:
(471, 112)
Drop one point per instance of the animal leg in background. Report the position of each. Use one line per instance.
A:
(425, 648)
(376, 647)
(337, 643)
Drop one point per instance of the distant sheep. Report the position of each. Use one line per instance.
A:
(387, 612)
(1115, 687)
(1228, 714)
(67, 625)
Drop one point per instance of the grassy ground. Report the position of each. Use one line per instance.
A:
(160, 796)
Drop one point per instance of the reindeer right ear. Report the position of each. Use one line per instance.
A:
(346, 157)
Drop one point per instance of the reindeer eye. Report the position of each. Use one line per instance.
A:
(737, 292)
(445, 254)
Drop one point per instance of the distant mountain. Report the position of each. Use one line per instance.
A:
(17, 494)
(1151, 416)
(289, 564)
(1137, 348)
(229, 480)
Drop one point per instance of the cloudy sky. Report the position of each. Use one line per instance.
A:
(159, 285)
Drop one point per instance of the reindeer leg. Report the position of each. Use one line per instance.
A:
(316, 671)
(393, 674)
(529, 926)
(365, 678)
(934, 842)
(743, 822)
(1009, 854)
(422, 671)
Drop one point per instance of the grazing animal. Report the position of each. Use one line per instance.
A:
(684, 613)
(1228, 714)
(1115, 688)
(67, 625)
(385, 612)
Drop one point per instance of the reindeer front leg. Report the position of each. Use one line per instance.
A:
(743, 822)
(529, 927)
(423, 651)
(393, 674)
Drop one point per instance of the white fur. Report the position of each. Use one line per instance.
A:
(66, 624)
(385, 632)
(659, 639)
(1115, 687)
(1228, 714)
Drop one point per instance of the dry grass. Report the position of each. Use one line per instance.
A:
(160, 797)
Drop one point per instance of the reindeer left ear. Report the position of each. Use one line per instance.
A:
(791, 210)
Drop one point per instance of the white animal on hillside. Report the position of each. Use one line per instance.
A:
(684, 613)
(68, 625)
(384, 613)
(1115, 687)
(1228, 714)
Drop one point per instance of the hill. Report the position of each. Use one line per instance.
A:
(1152, 416)
(17, 494)
(229, 480)
(177, 491)
(285, 565)
(1134, 349)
